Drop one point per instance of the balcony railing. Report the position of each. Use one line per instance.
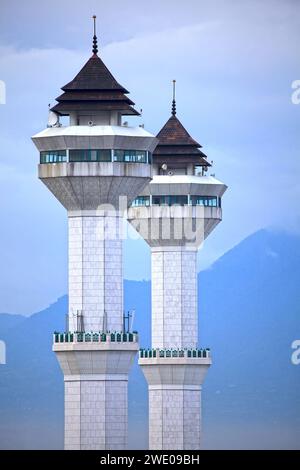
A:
(190, 353)
(100, 337)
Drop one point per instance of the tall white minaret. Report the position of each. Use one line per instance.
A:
(174, 214)
(88, 166)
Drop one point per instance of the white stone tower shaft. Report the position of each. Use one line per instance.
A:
(95, 167)
(176, 373)
(95, 270)
(174, 214)
(174, 297)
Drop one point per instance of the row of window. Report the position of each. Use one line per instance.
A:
(101, 155)
(132, 156)
(89, 156)
(57, 156)
(209, 201)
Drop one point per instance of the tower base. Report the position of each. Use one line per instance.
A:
(96, 384)
(175, 401)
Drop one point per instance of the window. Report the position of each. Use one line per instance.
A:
(178, 200)
(156, 200)
(208, 201)
(169, 200)
(97, 155)
(130, 156)
(141, 156)
(89, 155)
(198, 170)
(78, 155)
(104, 155)
(118, 155)
(141, 201)
(53, 156)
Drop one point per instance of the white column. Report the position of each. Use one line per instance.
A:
(174, 417)
(95, 271)
(174, 395)
(174, 297)
(96, 413)
(96, 373)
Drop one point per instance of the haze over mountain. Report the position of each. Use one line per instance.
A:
(249, 308)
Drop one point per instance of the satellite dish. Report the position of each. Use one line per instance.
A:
(53, 119)
(164, 166)
(170, 173)
(91, 123)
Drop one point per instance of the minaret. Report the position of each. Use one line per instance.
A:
(95, 167)
(174, 214)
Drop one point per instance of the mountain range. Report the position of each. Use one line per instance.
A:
(249, 311)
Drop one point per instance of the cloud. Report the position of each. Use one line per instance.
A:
(234, 68)
(272, 254)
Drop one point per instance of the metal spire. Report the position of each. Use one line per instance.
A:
(95, 41)
(174, 99)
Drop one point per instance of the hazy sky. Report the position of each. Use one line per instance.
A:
(234, 62)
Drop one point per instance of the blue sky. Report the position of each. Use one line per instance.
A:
(234, 63)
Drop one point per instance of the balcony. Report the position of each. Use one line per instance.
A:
(170, 353)
(95, 337)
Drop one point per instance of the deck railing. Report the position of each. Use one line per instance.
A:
(190, 353)
(95, 337)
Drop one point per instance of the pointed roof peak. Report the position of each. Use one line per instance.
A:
(174, 133)
(94, 75)
(177, 146)
(94, 88)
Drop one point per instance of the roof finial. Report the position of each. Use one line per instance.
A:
(174, 99)
(95, 43)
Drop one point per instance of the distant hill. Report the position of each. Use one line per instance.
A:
(250, 304)
(249, 309)
(7, 321)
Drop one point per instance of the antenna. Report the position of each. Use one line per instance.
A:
(80, 321)
(95, 41)
(104, 326)
(129, 319)
(174, 99)
(53, 119)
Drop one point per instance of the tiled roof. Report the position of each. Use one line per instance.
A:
(94, 75)
(179, 149)
(173, 133)
(177, 146)
(94, 96)
(94, 89)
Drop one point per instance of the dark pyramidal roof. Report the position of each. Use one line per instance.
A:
(94, 75)
(176, 144)
(94, 89)
(173, 133)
